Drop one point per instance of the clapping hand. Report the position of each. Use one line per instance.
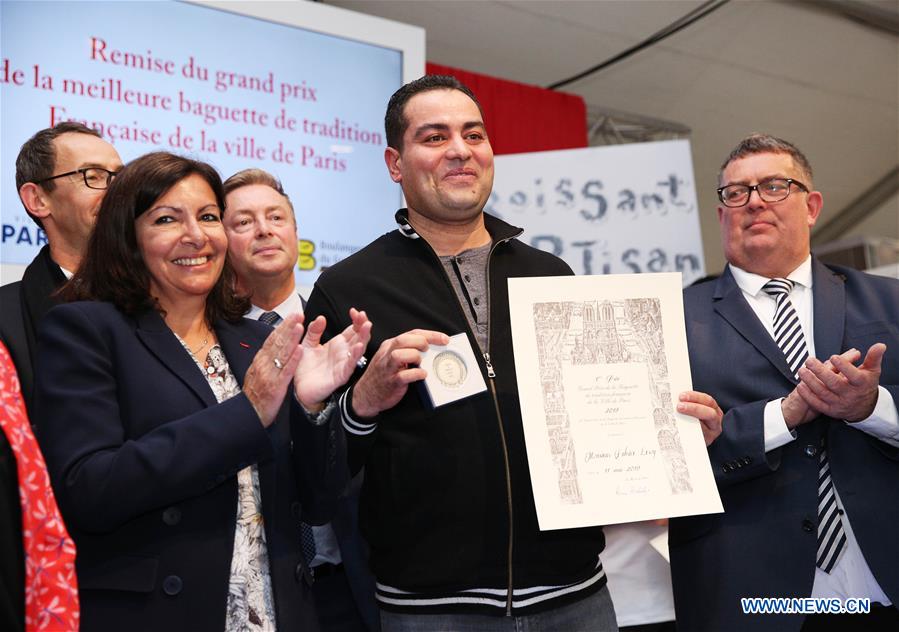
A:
(839, 389)
(323, 368)
(265, 383)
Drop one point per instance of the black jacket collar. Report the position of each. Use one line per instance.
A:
(498, 229)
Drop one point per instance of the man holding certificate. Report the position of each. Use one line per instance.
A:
(808, 462)
(447, 505)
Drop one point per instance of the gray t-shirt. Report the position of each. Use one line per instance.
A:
(467, 272)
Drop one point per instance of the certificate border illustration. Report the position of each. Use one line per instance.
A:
(652, 306)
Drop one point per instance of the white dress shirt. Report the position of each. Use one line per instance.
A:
(293, 304)
(851, 576)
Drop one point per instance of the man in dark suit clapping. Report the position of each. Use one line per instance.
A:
(796, 354)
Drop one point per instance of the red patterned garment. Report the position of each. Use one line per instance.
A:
(51, 590)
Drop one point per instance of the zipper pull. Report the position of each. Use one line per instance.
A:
(490, 372)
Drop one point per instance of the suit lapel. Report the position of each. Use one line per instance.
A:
(162, 343)
(237, 347)
(829, 293)
(41, 279)
(732, 307)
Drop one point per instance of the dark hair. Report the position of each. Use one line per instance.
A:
(113, 269)
(37, 157)
(768, 144)
(248, 177)
(395, 122)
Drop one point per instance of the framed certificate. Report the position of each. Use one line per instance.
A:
(600, 362)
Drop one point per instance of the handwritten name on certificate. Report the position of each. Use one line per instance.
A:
(600, 362)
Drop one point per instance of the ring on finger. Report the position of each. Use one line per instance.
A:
(278, 364)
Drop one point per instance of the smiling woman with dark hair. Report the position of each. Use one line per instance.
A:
(115, 271)
(165, 425)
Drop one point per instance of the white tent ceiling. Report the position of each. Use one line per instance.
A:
(800, 70)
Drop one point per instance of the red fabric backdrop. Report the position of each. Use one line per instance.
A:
(522, 118)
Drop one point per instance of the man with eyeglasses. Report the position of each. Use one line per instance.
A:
(808, 460)
(61, 174)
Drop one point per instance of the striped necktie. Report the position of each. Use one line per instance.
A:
(789, 337)
(269, 318)
(787, 330)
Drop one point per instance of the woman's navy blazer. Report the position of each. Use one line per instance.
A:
(143, 461)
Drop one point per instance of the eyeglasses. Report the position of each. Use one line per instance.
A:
(94, 177)
(771, 190)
